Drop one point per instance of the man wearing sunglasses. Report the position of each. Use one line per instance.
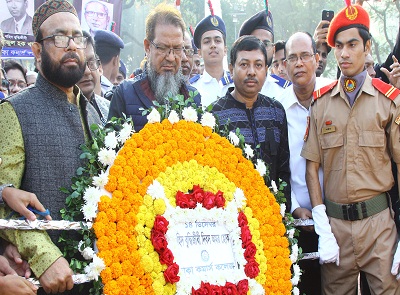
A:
(162, 78)
(46, 124)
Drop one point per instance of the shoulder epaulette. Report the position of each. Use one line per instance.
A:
(319, 92)
(387, 90)
(281, 82)
(194, 79)
(226, 79)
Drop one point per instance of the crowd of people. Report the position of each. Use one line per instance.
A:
(335, 141)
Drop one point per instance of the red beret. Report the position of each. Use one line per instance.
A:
(353, 16)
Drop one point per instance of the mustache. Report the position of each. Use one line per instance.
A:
(250, 80)
(70, 55)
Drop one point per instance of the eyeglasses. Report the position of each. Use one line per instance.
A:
(5, 85)
(21, 84)
(98, 14)
(268, 44)
(93, 64)
(304, 57)
(167, 51)
(62, 41)
(188, 52)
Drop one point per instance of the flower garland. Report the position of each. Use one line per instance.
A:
(140, 198)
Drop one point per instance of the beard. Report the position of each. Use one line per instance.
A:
(164, 85)
(59, 75)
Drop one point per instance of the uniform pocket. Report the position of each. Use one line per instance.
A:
(333, 151)
(371, 151)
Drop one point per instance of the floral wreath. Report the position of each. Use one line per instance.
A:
(140, 187)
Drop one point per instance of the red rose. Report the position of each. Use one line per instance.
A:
(159, 241)
(216, 290)
(166, 257)
(198, 194)
(242, 219)
(209, 200)
(219, 199)
(171, 273)
(183, 201)
(245, 236)
(243, 287)
(229, 289)
(250, 251)
(161, 224)
(251, 269)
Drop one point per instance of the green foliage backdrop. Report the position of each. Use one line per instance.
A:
(289, 16)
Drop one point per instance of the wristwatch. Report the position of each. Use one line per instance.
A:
(3, 186)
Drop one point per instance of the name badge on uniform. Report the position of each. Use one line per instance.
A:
(328, 129)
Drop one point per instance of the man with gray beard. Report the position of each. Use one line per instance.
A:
(162, 77)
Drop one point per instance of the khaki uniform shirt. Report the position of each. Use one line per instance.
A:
(354, 144)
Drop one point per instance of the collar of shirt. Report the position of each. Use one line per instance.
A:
(367, 87)
(208, 78)
(20, 23)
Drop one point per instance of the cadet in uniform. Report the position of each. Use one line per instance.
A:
(353, 134)
(210, 39)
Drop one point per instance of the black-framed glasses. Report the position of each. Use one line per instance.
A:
(268, 44)
(20, 83)
(167, 51)
(98, 14)
(62, 41)
(189, 52)
(304, 57)
(93, 64)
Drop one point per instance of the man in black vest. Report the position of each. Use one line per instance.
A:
(163, 74)
(42, 129)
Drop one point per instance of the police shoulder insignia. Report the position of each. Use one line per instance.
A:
(194, 79)
(320, 92)
(387, 90)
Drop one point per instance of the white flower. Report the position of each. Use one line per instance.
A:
(94, 269)
(110, 141)
(89, 211)
(240, 198)
(80, 245)
(154, 116)
(189, 114)
(290, 233)
(173, 117)
(88, 253)
(248, 151)
(100, 180)
(274, 187)
(156, 190)
(233, 138)
(256, 288)
(283, 210)
(295, 253)
(125, 133)
(296, 291)
(208, 120)
(91, 195)
(296, 274)
(261, 168)
(106, 156)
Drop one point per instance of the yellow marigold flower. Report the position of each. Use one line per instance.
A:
(159, 207)
(147, 263)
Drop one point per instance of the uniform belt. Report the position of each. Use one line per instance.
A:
(357, 211)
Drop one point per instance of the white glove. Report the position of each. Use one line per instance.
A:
(328, 248)
(396, 262)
